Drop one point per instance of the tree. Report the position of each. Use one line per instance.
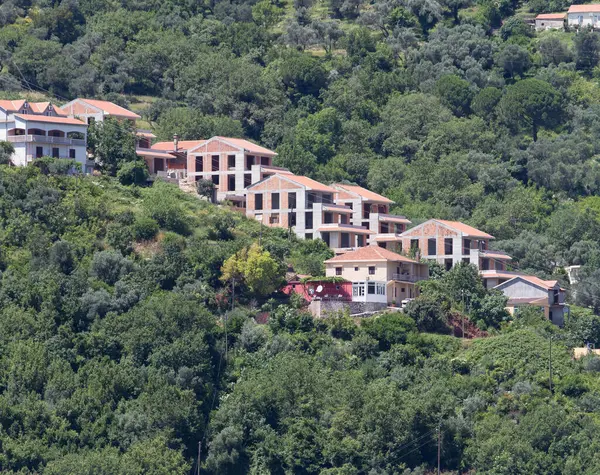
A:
(255, 268)
(206, 188)
(514, 60)
(428, 315)
(191, 124)
(112, 142)
(6, 152)
(554, 51)
(133, 173)
(455, 94)
(485, 101)
(531, 103)
(587, 49)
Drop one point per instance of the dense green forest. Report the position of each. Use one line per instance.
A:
(122, 348)
(121, 345)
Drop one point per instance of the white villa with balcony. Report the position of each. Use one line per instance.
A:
(39, 129)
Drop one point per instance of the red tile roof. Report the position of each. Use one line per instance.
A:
(364, 193)
(153, 154)
(551, 16)
(593, 7)
(182, 146)
(370, 253)
(309, 183)
(48, 119)
(246, 145)
(110, 108)
(465, 229)
(12, 106)
(547, 284)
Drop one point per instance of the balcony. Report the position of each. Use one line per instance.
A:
(407, 278)
(387, 237)
(45, 139)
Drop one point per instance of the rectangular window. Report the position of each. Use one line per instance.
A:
(448, 264)
(345, 240)
(371, 270)
(292, 219)
(274, 200)
(384, 228)
(499, 265)
(371, 288)
(274, 219)
(291, 200)
(71, 153)
(215, 179)
(360, 240)
(39, 152)
(414, 244)
(230, 161)
(258, 201)
(308, 220)
(327, 218)
(231, 183)
(308, 236)
(247, 180)
(380, 289)
(431, 246)
(556, 296)
(466, 246)
(91, 120)
(249, 161)
(485, 264)
(466, 260)
(265, 161)
(447, 246)
(215, 163)
(338, 271)
(55, 152)
(343, 219)
(310, 199)
(366, 211)
(326, 238)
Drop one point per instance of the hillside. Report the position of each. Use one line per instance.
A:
(128, 334)
(454, 109)
(119, 353)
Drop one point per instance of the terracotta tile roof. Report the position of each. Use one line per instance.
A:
(309, 183)
(551, 16)
(182, 146)
(364, 193)
(391, 218)
(12, 106)
(39, 107)
(593, 7)
(110, 108)
(246, 145)
(547, 284)
(53, 120)
(465, 229)
(153, 154)
(497, 255)
(370, 253)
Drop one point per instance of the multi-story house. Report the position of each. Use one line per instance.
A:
(307, 207)
(531, 291)
(38, 129)
(451, 242)
(371, 210)
(378, 275)
(232, 164)
(93, 110)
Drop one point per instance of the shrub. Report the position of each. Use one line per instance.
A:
(119, 237)
(133, 173)
(389, 328)
(145, 228)
(110, 266)
(428, 315)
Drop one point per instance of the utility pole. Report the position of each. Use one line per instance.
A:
(464, 311)
(199, 457)
(550, 364)
(439, 441)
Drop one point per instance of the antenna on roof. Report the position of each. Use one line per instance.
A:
(175, 142)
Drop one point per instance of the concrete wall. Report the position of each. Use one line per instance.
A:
(522, 289)
(320, 308)
(350, 273)
(541, 25)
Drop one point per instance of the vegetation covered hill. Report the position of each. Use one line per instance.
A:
(454, 108)
(115, 353)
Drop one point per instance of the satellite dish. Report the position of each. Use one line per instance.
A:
(320, 288)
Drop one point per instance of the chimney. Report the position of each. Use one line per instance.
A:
(176, 142)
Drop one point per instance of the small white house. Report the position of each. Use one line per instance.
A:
(581, 16)
(550, 21)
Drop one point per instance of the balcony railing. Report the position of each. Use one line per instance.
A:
(45, 139)
(407, 278)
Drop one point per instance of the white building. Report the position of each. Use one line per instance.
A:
(40, 129)
(580, 16)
